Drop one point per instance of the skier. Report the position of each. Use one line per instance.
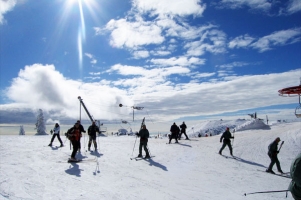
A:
(92, 130)
(227, 136)
(174, 129)
(56, 132)
(295, 185)
(183, 130)
(74, 136)
(144, 135)
(81, 130)
(272, 153)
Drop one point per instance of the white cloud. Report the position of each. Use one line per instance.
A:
(140, 54)
(253, 4)
(278, 38)
(6, 6)
(133, 34)
(294, 6)
(180, 61)
(92, 59)
(241, 41)
(167, 7)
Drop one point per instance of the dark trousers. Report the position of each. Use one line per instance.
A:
(274, 159)
(92, 138)
(224, 145)
(75, 145)
(173, 136)
(58, 137)
(144, 145)
(180, 135)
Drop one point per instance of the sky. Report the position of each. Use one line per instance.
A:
(196, 171)
(179, 60)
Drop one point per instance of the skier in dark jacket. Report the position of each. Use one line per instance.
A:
(82, 130)
(272, 153)
(92, 130)
(226, 136)
(174, 129)
(295, 185)
(183, 130)
(144, 135)
(74, 136)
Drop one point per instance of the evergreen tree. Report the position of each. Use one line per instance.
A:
(40, 125)
(21, 132)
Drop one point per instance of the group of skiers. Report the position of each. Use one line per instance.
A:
(176, 132)
(75, 133)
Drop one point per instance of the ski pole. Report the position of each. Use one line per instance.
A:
(134, 145)
(280, 146)
(267, 192)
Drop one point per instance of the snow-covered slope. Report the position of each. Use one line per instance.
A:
(29, 169)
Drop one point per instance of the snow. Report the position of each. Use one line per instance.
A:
(192, 169)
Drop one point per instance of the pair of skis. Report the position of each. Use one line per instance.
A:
(141, 158)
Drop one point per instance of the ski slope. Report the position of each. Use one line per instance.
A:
(29, 169)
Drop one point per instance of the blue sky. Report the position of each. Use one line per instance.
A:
(179, 59)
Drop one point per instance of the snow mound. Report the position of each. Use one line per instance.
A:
(253, 124)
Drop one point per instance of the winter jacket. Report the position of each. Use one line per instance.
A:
(174, 129)
(295, 185)
(273, 149)
(144, 135)
(92, 130)
(74, 133)
(56, 130)
(183, 128)
(81, 128)
(226, 135)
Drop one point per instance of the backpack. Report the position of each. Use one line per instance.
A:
(70, 134)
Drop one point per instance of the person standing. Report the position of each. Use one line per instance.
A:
(272, 153)
(74, 137)
(144, 135)
(92, 130)
(226, 136)
(56, 133)
(82, 130)
(183, 130)
(174, 129)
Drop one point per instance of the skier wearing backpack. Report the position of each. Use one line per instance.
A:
(295, 185)
(74, 136)
(272, 153)
(92, 130)
(56, 132)
(82, 130)
(226, 136)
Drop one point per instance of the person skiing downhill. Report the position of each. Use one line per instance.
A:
(272, 153)
(92, 130)
(56, 132)
(144, 135)
(226, 136)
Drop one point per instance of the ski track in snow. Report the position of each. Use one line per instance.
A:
(29, 169)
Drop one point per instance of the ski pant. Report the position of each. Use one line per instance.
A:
(173, 136)
(58, 137)
(274, 159)
(180, 135)
(92, 138)
(144, 145)
(75, 145)
(224, 145)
